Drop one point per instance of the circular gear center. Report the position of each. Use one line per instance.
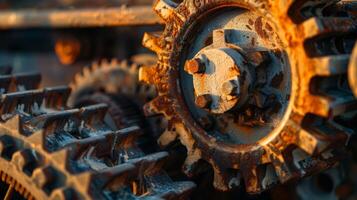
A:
(236, 77)
(220, 75)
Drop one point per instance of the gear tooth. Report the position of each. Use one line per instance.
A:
(330, 133)
(331, 65)
(77, 79)
(43, 176)
(327, 26)
(167, 137)
(280, 162)
(309, 142)
(321, 106)
(37, 138)
(79, 146)
(219, 181)
(28, 81)
(61, 157)
(86, 70)
(152, 42)
(57, 97)
(191, 161)
(150, 164)
(127, 137)
(25, 160)
(114, 62)
(104, 62)
(332, 106)
(94, 114)
(251, 178)
(64, 194)
(5, 83)
(147, 74)
(117, 177)
(165, 9)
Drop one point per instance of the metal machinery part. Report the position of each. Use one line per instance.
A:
(83, 17)
(116, 84)
(253, 87)
(114, 77)
(49, 151)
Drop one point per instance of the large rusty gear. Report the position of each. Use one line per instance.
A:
(268, 114)
(49, 151)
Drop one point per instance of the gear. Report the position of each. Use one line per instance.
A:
(113, 77)
(116, 84)
(253, 87)
(49, 151)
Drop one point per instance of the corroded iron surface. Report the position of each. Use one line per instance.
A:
(286, 130)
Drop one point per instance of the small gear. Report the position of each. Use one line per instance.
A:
(113, 77)
(253, 87)
(116, 84)
(50, 151)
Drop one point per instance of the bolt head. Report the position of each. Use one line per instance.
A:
(203, 101)
(230, 88)
(194, 66)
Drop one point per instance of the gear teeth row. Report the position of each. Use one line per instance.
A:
(14, 83)
(113, 81)
(72, 153)
(31, 101)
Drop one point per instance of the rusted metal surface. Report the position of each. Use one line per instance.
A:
(51, 151)
(100, 17)
(287, 130)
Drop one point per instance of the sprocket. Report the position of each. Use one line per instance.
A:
(253, 87)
